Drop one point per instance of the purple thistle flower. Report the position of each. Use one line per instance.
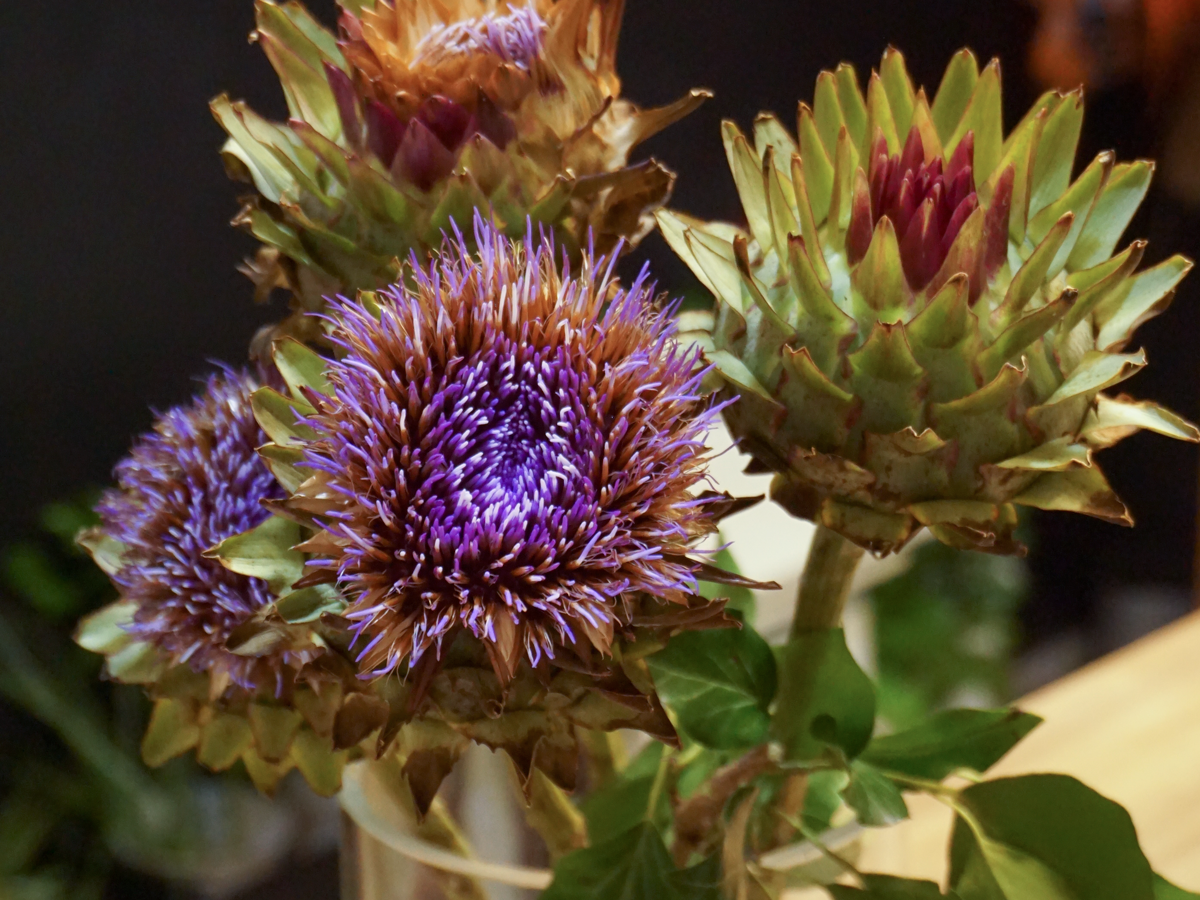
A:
(193, 481)
(508, 451)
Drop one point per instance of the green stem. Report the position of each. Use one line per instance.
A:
(824, 589)
(825, 582)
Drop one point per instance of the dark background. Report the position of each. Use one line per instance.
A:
(117, 278)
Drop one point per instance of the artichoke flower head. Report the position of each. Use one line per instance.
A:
(923, 319)
(229, 676)
(502, 468)
(421, 111)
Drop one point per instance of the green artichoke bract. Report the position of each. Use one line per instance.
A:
(419, 112)
(923, 316)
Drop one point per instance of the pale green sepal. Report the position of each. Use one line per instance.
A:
(301, 367)
(318, 762)
(1147, 294)
(879, 280)
(900, 94)
(1118, 201)
(977, 514)
(809, 219)
(827, 118)
(873, 530)
(922, 120)
(321, 37)
(1079, 199)
(982, 117)
(735, 372)
(1019, 152)
(769, 132)
(1055, 154)
(780, 208)
(265, 775)
(223, 740)
(1010, 343)
(309, 604)
(748, 176)
(271, 177)
(1081, 489)
(105, 631)
(1032, 275)
(1115, 418)
(954, 93)
(818, 166)
(105, 550)
(283, 463)
(1097, 371)
(821, 410)
(138, 663)
(879, 117)
(1099, 290)
(823, 328)
(309, 96)
(172, 731)
(1053, 456)
(854, 108)
(278, 416)
(841, 200)
(270, 231)
(715, 259)
(888, 380)
(265, 552)
(274, 727)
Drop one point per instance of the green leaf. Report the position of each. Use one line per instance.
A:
(823, 798)
(887, 887)
(952, 739)
(1047, 837)
(625, 803)
(827, 698)
(634, 865)
(1164, 890)
(719, 685)
(874, 798)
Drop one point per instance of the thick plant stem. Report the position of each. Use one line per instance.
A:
(825, 583)
(824, 589)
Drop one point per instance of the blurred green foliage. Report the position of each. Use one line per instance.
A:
(946, 630)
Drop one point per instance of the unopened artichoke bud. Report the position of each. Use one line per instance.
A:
(503, 461)
(421, 111)
(923, 319)
(207, 620)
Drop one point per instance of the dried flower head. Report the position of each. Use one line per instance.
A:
(508, 451)
(418, 112)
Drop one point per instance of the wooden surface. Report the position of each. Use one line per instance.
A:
(1128, 726)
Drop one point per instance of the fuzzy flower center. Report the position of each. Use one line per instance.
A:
(515, 38)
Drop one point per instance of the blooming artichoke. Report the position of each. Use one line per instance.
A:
(422, 111)
(922, 318)
(502, 464)
(229, 676)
